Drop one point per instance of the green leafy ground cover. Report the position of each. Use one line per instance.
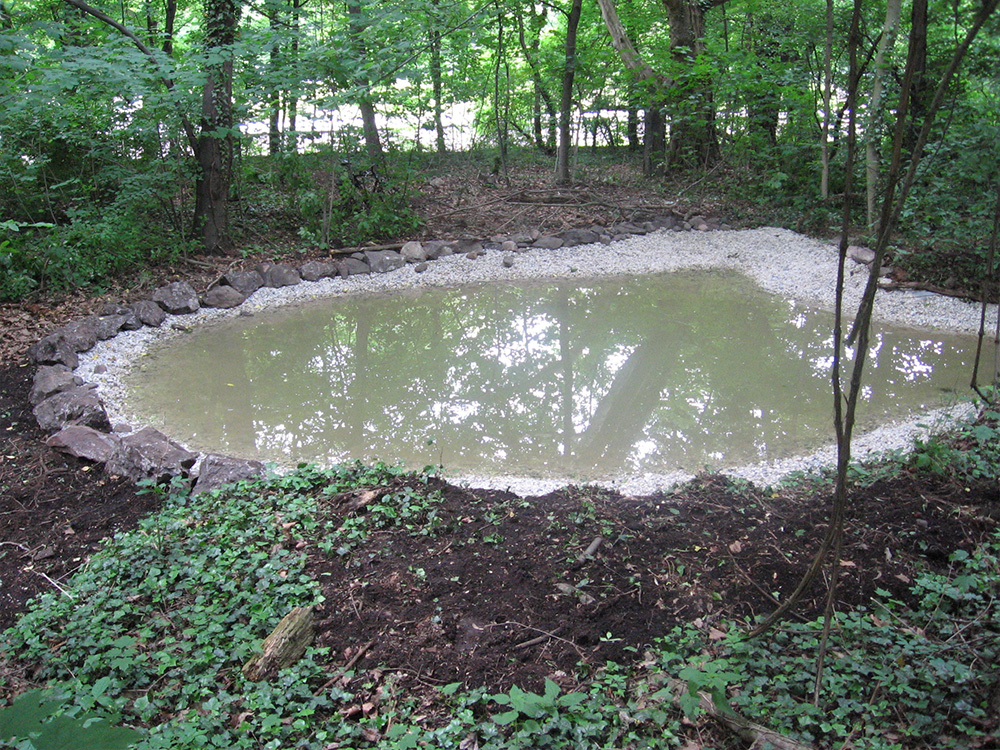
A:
(152, 633)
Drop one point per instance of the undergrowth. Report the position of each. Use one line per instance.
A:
(153, 632)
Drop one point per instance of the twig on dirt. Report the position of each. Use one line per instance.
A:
(200, 263)
(538, 639)
(347, 667)
(589, 552)
(61, 589)
(539, 630)
(700, 179)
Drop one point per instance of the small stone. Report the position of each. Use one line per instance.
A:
(507, 262)
(459, 247)
(177, 298)
(508, 246)
(100, 369)
(421, 267)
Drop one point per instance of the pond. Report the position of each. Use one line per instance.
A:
(582, 380)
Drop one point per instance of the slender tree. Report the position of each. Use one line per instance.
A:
(566, 101)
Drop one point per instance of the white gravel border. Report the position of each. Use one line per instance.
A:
(779, 260)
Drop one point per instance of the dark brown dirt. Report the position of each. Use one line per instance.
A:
(479, 601)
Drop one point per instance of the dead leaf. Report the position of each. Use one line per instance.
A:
(848, 564)
(736, 547)
(714, 634)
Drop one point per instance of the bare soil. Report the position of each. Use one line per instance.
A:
(485, 600)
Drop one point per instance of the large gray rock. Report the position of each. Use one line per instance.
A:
(81, 334)
(314, 270)
(223, 297)
(352, 267)
(413, 252)
(177, 298)
(434, 249)
(217, 471)
(277, 275)
(78, 405)
(383, 261)
(113, 313)
(629, 228)
(84, 442)
(860, 254)
(109, 326)
(548, 242)
(579, 237)
(246, 282)
(149, 454)
(54, 349)
(50, 380)
(149, 313)
(465, 246)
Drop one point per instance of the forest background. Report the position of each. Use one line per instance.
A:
(150, 131)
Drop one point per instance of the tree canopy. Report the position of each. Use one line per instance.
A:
(126, 130)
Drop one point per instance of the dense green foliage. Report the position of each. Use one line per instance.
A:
(98, 175)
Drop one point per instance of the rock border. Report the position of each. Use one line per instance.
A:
(75, 416)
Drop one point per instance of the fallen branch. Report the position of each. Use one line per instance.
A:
(759, 736)
(347, 667)
(922, 287)
(285, 646)
(538, 639)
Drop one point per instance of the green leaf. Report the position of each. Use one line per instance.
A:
(26, 715)
(65, 733)
(507, 717)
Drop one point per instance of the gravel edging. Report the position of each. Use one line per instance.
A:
(779, 260)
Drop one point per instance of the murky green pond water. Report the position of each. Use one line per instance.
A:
(584, 380)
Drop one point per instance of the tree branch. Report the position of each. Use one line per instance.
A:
(167, 81)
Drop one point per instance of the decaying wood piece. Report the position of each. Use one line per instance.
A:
(759, 737)
(283, 647)
(355, 500)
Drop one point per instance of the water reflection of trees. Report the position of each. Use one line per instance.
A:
(635, 375)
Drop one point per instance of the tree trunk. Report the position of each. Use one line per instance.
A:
(214, 148)
(436, 81)
(541, 93)
(274, 58)
(693, 138)
(824, 180)
(656, 85)
(873, 126)
(373, 146)
(566, 101)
